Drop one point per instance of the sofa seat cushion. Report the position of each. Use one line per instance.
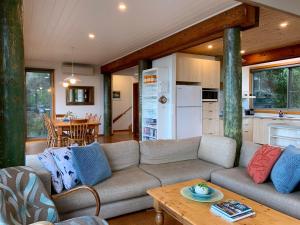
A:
(169, 173)
(123, 184)
(237, 180)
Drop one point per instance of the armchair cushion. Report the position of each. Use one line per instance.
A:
(23, 198)
(64, 161)
(91, 163)
(50, 165)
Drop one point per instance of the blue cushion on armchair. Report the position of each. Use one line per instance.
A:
(286, 171)
(91, 163)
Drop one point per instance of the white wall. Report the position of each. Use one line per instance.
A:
(60, 93)
(124, 84)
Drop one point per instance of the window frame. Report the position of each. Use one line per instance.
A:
(278, 66)
(52, 83)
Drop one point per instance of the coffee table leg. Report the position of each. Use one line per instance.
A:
(159, 217)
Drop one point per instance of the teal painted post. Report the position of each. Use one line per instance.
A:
(12, 84)
(143, 65)
(232, 69)
(107, 77)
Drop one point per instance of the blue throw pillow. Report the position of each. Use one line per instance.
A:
(64, 161)
(91, 163)
(286, 171)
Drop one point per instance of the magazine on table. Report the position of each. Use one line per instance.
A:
(232, 210)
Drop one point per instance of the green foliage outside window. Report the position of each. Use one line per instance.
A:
(277, 88)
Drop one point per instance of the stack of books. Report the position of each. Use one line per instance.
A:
(231, 210)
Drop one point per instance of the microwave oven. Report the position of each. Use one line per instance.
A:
(210, 95)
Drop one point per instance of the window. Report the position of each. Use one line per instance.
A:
(39, 97)
(277, 88)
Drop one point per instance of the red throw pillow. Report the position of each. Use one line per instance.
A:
(260, 166)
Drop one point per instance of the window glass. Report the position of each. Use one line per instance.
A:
(294, 88)
(270, 88)
(39, 102)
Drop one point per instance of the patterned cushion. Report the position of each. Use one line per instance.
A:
(84, 220)
(259, 168)
(49, 164)
(286, 171)
(64, 161)
(23, 198)
(91, 163)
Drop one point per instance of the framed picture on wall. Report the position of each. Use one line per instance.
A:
(116, 95)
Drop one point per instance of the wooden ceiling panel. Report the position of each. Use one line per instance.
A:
(268, 35)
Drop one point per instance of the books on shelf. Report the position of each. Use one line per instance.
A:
(232, 210)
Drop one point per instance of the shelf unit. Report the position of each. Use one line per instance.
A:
(154, 121)
(283, 135)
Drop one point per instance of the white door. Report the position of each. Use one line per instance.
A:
(189, 122)
(188, 95)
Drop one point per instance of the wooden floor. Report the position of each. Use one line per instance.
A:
(35, 147)
(141, 218)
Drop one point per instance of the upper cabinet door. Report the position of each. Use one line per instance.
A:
(188, 69)
(210, 73)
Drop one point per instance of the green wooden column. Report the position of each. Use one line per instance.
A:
(107, 77)
(143, 65)
(12, 83)
(232, 69)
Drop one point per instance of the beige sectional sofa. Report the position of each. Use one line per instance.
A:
(138, 167)
(237, 180)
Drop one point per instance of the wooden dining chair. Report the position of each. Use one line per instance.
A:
(90, 136)
(77, 132)
(52, 137)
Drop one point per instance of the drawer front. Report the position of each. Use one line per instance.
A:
(211, 126)
(211, 106)
(213, 114)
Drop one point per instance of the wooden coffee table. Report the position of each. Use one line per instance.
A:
(167, 199)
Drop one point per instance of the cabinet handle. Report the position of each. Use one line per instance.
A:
(246, 131)
(210, 111)
(210, 119)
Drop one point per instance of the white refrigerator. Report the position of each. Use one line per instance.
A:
(188, 111)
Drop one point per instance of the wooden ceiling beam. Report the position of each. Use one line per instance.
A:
(243, 16)
(272, 55)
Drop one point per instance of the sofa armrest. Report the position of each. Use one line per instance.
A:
(83, 187)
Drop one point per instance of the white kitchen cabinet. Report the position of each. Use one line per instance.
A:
(248, 129)
(188, 69)
(211, 121)
(258, 130)
(193, 68)
(210, 73)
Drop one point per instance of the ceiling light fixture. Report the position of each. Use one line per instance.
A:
(71, 79)
(122, 7)
(283, 24)
(91, 36)
(243, 51)
(210, 46)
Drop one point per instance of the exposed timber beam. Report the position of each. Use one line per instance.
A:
(243, 16)
(272, 55)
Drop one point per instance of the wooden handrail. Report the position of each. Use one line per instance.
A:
(122, 114)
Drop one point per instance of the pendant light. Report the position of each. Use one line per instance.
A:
(71, 79)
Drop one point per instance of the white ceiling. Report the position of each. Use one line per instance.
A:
(52, 27)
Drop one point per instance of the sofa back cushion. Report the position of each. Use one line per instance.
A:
(247, 152)
(122, 154)
(218, 150)
(166, 151)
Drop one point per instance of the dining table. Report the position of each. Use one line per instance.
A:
(61, 126)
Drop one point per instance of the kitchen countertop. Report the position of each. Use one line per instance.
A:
(271, 116)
